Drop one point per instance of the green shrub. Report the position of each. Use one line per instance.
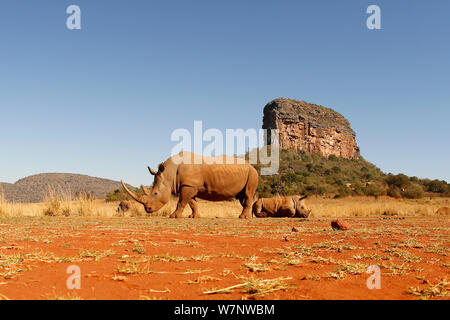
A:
(336, 169)
(437, 186)
(332, 158)
(400, 181)
(413, 191)
(375, 189)
(343, 192)
(394, 192)
(120, 194)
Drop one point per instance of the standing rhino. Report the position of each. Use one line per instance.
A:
(281, 207)
(198, 177)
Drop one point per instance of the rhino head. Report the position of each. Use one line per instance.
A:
(158, 195)
(301, 209)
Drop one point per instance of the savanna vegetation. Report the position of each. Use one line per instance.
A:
(61, 205)
(312, 174)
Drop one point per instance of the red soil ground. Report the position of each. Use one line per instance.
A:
(161, 258)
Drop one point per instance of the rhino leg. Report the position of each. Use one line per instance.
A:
(247, 211)
(261, 214)
(286, 212)
(246, 214)
(249, 195)
(186, 195)
(194, 207)
(257, 210)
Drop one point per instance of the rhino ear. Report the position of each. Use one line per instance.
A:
(302, 198)
(146, 191)
(161, 167)
(152, 172)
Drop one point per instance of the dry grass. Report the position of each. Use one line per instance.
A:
(59, 203)
(8, 209)
(345, 207)
(62, 203)
(439, 289)
(369, 206)
(256, 287)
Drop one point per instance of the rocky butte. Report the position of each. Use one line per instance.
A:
(310, 128)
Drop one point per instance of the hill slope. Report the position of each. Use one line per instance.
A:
(35, 188)
(304, 173)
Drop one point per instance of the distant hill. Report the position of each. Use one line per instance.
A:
(319, 155)
(35, 188)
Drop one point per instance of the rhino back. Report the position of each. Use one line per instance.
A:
(272, 205)
(220, 179)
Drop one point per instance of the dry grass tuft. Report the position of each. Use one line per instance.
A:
(439, 289)
(256, 287)
(8, 209)
(370, 206)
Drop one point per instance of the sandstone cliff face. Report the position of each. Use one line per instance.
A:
(311, 128)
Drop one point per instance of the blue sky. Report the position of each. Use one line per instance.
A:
(105, 99)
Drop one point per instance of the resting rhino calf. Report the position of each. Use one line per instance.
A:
(281, 207)
(444, 211)
(199, 177)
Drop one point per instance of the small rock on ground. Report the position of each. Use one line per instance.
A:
(340, 224)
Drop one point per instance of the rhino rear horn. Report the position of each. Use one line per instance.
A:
(146, 191)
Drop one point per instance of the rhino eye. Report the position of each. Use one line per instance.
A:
(156, 193)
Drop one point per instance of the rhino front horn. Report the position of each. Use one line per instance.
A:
(132, 194)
